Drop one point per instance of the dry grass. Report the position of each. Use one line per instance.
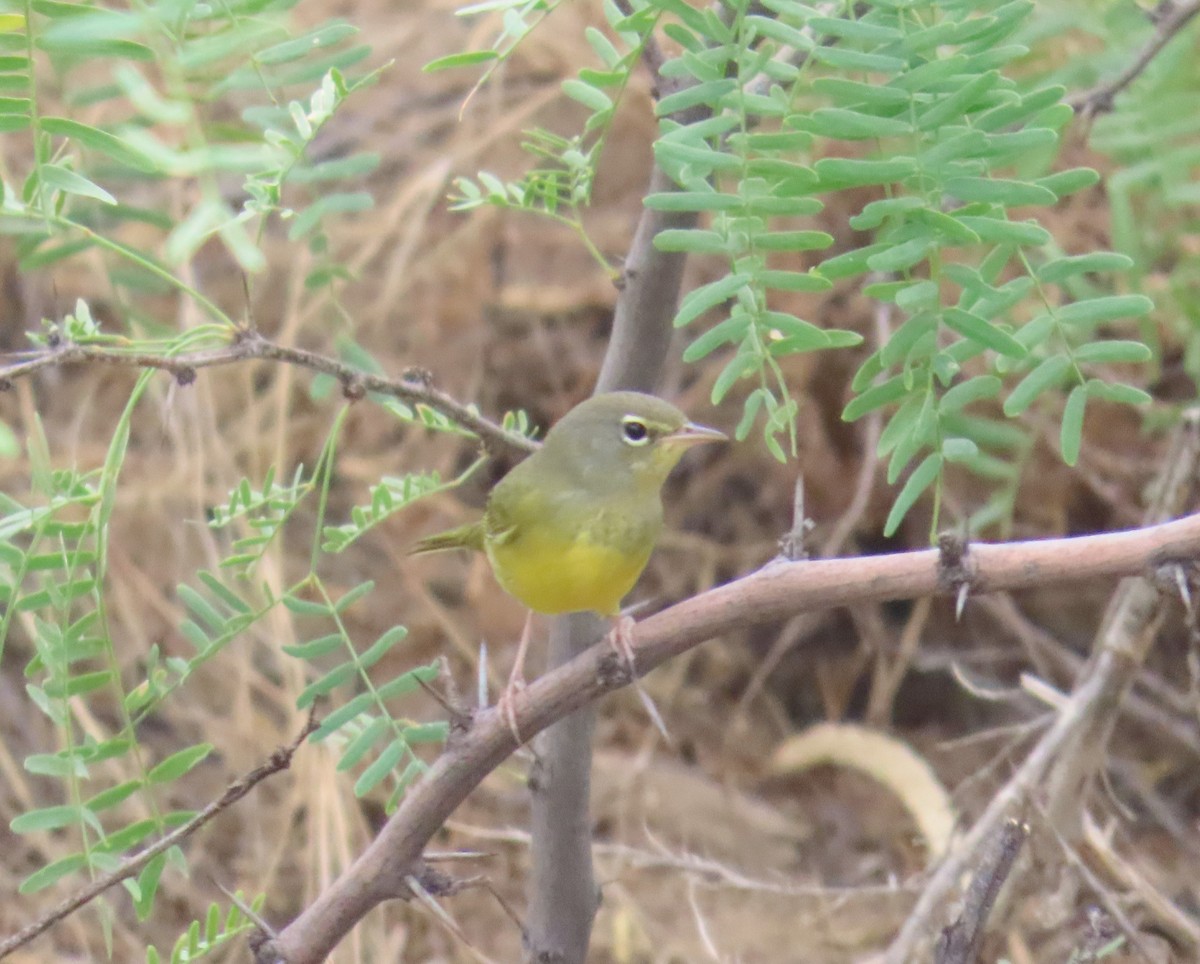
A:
(702, 855)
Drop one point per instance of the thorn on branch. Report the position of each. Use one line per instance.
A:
(954, 571)
(791, 546)
(460, 715)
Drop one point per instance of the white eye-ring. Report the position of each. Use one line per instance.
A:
(634, 430)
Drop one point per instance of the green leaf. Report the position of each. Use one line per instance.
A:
(983, 332)
(177, 764)
(358, 747)
(738, 367)
(1001, 231)
(47, 818)
(342, 715)
(700, 300)
(1068, 182)
(849, 172)
(325, 685)
(114, 795)
(850, 125)
(101, 141)
(693, 201)
(972, 390)
(304, 607)
(959, 449)
(993, 190)
(591, 97)
(1046, 375)
(709, 92)
(691, 241)
(1115, 392)
(435, 732)
(468, 59)
(380, 767)
(1109, 308)
(845, 58)
(1115, 351)
(315, 648)
(381, 646)
(1072, 424)
(875, 397)
(900, 257)
(922, 478)
(730, 330)
(58, 177)
(297, 48)
(793, 241)
(900, 425)
(794, 281)
(1098, 261)
(409, 681)
(52, 873)
(903, 338)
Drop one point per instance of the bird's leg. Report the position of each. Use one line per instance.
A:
(622, 639)
(516, 681)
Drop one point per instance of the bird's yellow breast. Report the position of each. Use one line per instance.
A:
(553, 575)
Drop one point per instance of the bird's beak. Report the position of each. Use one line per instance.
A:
(692, 434)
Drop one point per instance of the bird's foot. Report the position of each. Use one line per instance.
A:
(622, 639)
(506, 704)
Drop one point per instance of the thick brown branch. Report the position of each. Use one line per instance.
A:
(1171, 17)
(413, 388)
(281, 759)
(778, 590)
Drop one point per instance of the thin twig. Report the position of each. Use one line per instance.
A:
(281, 759)
(959, 943)
(414, 387)
(1170, 18)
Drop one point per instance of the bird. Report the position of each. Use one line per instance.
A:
(571, 528)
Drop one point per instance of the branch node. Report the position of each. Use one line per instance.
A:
(352, 387)
(613, 671)
(418, 376)
(954, 569)
(959, 942)
(791, 546)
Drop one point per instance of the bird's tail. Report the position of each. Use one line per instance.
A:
(464, 537)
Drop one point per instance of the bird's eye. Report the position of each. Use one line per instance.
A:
(634, 430)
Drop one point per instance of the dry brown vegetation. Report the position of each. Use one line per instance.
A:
(704, 852)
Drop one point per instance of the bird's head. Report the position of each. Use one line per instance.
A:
(632, 438)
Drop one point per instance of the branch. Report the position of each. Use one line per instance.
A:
(1170, 18)
(778, 590)
(959, 943)
(563, 896)
(414, 386)
(1088, 715)
(281, 759)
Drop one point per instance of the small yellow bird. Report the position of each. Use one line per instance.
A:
(572, 527)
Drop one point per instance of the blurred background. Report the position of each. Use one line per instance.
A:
(706, 850)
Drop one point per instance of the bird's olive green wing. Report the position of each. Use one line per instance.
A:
(464, 537)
